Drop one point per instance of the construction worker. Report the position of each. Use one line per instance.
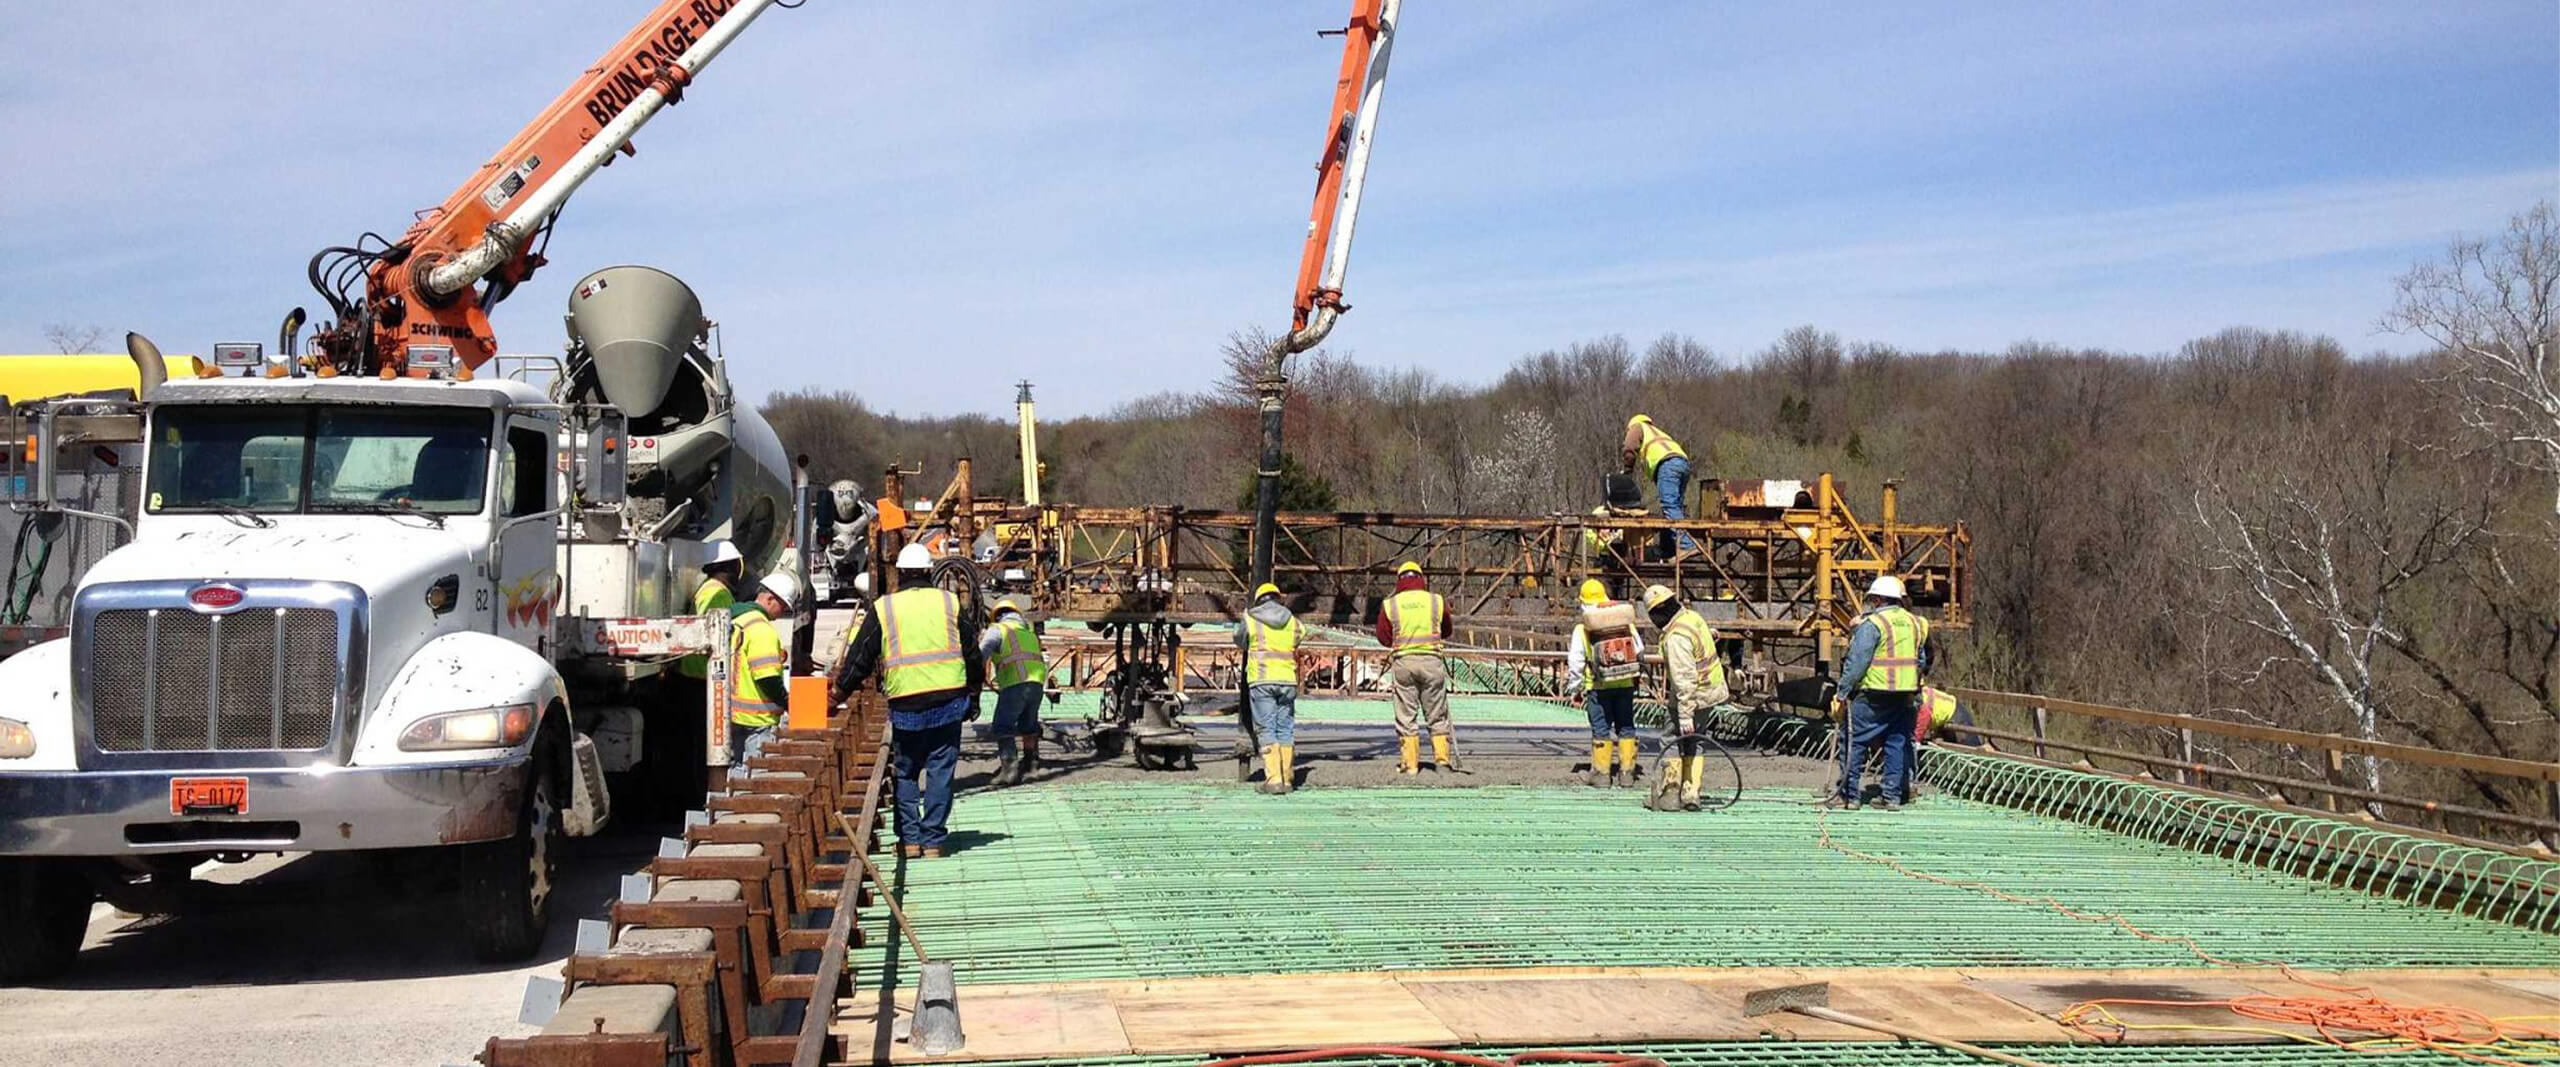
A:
(1012, 645)
(1622, 500)
(1268, 634)
(1608, 692)
(924, 651)
(1888, 652)
(721, 576)
(760, 679)
(1666, 463)
(1695, 677)
(1413, 623)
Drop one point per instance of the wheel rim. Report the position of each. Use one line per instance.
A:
(538, 895)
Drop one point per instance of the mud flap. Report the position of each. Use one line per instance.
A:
(590, 804)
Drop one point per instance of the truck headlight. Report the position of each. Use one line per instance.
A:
(16, 740)
(504, 727)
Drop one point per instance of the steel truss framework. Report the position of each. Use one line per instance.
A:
(1780, 565)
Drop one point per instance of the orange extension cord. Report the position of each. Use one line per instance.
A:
(2356, 1020)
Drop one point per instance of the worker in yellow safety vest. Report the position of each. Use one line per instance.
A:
(1413, 623)
(1694, 677)
(924, 651)
(1647, 448)
(1880, 683)
(1268, 634)
(1608, 549)
(721, 575)
(1012, 647)
(1601, 666)
(759, 676)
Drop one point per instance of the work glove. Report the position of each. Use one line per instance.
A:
(977, 705)
(1839, 709)
(1053, 696)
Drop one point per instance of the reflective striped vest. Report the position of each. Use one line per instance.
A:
(755, 652)
(713, 598)
(1895, 667)
(1018, 657)
(1656, 446)
(1414, 617)
(1702, 638)
(920, 642)
(1937, 709)
(1270, 652)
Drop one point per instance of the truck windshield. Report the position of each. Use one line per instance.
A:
(304, 458)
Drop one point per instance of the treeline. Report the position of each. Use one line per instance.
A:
(2257, 526)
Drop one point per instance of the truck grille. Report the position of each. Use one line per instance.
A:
(175, 680)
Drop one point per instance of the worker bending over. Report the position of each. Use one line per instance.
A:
(1413, 624)
(1608, 549)
(1600, 665)
(1696, 684)
(1888, 651)
(1268, 635)
(760, 679)
(925, 653)
(1666, 463)
(1021, 679)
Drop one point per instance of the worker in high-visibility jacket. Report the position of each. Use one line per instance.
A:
(1647, 448)
(1608, 691)
(1880, 683)
(1268, 634)
(1694, 677)
(1413, 624)
(1012, 647)
(1608, 549)
(759, 676)
(721, 576)
(923, 649)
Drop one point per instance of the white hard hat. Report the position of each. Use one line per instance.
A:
(915, 557)
(1886, 585)
(862, 583)
(723, 552)
(783, 586)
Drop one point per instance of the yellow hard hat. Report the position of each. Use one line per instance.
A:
(1657, 595)
(1005, 604)
(1639, 418)
(1593, 592)
(1266, 589)
(1408, 567)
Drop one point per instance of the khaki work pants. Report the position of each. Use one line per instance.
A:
(1421, 685)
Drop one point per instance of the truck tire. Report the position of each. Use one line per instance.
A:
(507, 886)
(44, 913)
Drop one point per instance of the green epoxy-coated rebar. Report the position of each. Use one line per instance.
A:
(1149, 880)
(1890, 1054)
(1464, 710)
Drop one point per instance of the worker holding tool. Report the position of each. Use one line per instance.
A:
(1621, 500)
(760, 680)
(924, 651)
(1695, 677)
(1021, 678)
(1888, 652)
(1414, 623)
(1667, 464)
(1600, 666)
(1268, 634)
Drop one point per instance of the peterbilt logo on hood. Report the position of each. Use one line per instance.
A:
(215, 598)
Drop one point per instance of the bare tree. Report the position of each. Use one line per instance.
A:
(2490, 305)
(68, 339)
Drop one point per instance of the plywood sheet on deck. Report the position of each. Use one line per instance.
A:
(1518, 1011)
(2180, 1000)
(1215, 1015)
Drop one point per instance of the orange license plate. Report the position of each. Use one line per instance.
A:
(208, 796)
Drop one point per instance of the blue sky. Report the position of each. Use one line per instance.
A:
(924, 202)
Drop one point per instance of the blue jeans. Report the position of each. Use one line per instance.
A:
(746, 741)
(1885, 719)
(1275, 713)
(1018, 709)
(1671, 488)
(1612, 711)
(924, 762)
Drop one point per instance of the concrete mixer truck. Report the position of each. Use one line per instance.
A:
(428, 610)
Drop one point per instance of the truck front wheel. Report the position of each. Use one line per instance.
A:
(44, 912)
(507, 885)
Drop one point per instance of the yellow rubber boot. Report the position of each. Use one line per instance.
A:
(1693, 773)
(1666, 793)
(1288, 767)
(1412, 756)
(1627, 758)
(1602, 770)
(1270, 770)
(1440, 753)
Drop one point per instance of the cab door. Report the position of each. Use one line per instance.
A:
(526, 578)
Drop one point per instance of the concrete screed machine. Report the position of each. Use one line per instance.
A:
(375, 601)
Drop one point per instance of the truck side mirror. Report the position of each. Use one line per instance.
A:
(604, 465)
(36, 483)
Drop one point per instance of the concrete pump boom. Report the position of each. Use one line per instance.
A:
(419, 290)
